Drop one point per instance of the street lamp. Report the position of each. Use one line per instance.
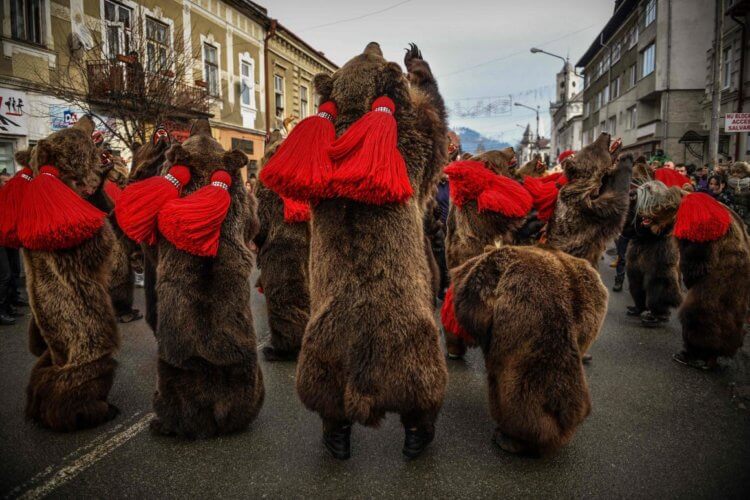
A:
(565, 61)
(535, 110)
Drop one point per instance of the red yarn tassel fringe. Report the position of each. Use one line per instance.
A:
(449, 320)
(53, 216)
(670, 177)
(139, 204)
(193, 223)
(471, 180)
(369, 167)
(701, 219)
(112, 191)
(301, 168)
(295, 211)
(544, 195)
(11, 196)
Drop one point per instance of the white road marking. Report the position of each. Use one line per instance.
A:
(71, 465)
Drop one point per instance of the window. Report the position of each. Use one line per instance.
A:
(586, 109)
(726, 69)
(602, 127)
(605, 95)
(616, 52)
(648, 57)
(633, 76)
(632, 117)
(615, 88)
(612, 125)
(247, 83)
(6, 156)
(278, 90)
(303, 102)
(211, 68)
(650, 13)
(117, 25)
(632, 37)
(26, 19)
(157, 45)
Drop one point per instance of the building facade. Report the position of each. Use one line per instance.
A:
(226, 44)
(566, 113)
(642, 82)
(733, 86)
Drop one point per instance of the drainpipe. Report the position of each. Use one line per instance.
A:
(270, 32)
(741, 86)
(669, 73)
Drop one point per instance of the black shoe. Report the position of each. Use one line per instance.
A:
(272, 354)
(13, 312)
(338, 442)
(619, 279)
(634, 311)
(586, 359)
(417, 440)
(650, 320)
(7, 320)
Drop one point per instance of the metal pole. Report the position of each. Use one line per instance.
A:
(713, 137)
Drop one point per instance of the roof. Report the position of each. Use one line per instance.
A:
(623, 9)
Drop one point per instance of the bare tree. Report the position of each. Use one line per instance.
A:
(130, 75)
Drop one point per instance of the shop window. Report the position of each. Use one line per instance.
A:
(27, 20)
(6, 157)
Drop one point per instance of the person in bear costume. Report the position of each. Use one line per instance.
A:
(146, 163)
(591, 207)
(372, 345)
(67, 256)
(535, 167)
(283, 243)
(472, 228)
(651, 264)
(534, 312)
(715, 264)
(209, 379)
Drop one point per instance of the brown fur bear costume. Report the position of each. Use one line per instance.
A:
(283, 259)
(73, 328)
(147, 162)
(372, 345)
(534, 312)
(715, 265)
(210, 382)
(651, 266)
(592, 206)
(469, 232)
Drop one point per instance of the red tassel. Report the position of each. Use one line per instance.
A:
(301, 168)
(193, 223)
(53, 216)
(139, 204)
(11, 196)
(296, 211)
(471, 180)
(112, 190)
(544, 195)
(700, 219)
(369, 166)
(670, 177)
(556, 178)
(449, 320)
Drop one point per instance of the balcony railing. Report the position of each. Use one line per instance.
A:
(120, 82)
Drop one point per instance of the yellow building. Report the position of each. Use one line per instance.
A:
(230, 45)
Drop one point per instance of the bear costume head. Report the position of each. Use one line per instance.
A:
(148, 158)
(75, 156)
(593, 162)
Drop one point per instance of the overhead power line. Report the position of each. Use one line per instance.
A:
(356, 17)
(516, 53)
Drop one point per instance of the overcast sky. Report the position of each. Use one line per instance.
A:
(456, 38)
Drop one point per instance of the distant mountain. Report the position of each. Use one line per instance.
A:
(471, 140)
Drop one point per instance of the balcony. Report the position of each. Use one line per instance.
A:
(123, 82)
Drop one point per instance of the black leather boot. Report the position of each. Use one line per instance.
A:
(337, 439)
(619, 279)
(417, 439)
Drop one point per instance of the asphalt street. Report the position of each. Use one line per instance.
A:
(657, 429)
